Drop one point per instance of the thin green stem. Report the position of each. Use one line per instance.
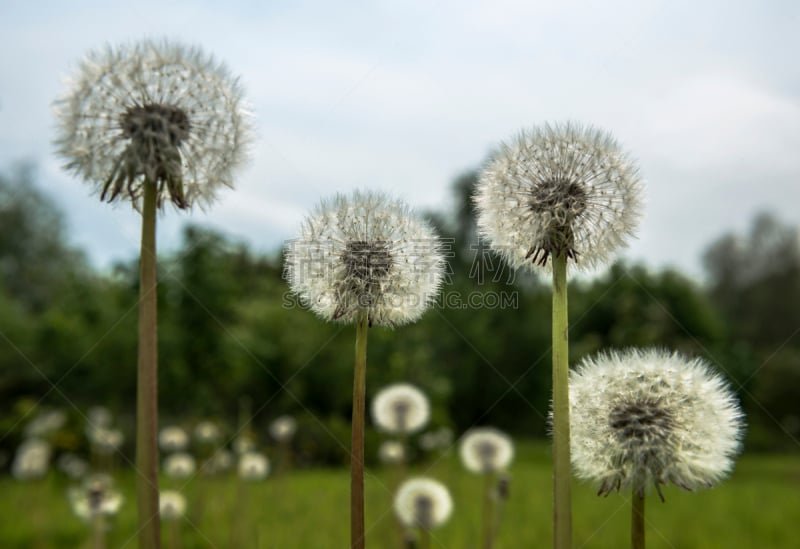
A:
(424, 538)
(357, 532)
(637, 520)
(147, 381)
(488, 511)
(98, 531)
(562, 507)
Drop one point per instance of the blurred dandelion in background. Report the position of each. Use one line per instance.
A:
(31, 460)
(400, 408)
(94, 502)
(179, 465)
(391, 452)
(424, 504)
(253, 466)
(173, 439)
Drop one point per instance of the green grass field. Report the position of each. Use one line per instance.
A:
(758, 507)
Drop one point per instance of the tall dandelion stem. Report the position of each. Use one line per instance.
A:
(147, 380)
(98, 531)
(488, 511)
(562, 507)
(637, 520)
(357, 540)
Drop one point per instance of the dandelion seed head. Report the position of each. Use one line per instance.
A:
(423, 503)
(31, 460)
(95, 497)
(559, 189)
(105, 441)
(365, 254)
(173, 439)
(391, 452)
(179, 465)
(72, 465)
(45, 423)
(171, 504)
(642, 418)
(486, 450)
(283, 428)
(99, 416)
(400, 408)
(253, 466)
(155, 111)
(207, 432)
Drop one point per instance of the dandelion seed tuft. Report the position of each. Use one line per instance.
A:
(253, 466)
(365, 254)
(179, 465)
(153, 111)
(171, 504)
(400, 408)
(173, 439)
(486, 450)
(645, 418)
(559, 189)
(423, 503)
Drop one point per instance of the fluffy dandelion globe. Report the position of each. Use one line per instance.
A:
(179, 465)
(31, 460)
(365, 254)
(171, 504)
(95, 497)
(106, 441)
(46, 423)
(645, 418)
(400, 408)
(99, 416)
(423, 503)
(486, 450)
(559, 189)
(153, 111)
(219, 462)
(243, 443)
(283, 428)
(207, 432)
(72, 465)
(391, 452)
(173, 439)
(253, 466)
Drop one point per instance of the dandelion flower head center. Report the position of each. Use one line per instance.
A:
(156, 125)
(366, 263)
(641, 422)
(401, 409)
(487, 454)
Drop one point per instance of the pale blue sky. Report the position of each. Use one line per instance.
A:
(404, 96)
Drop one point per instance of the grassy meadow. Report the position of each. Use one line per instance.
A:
(758, 507)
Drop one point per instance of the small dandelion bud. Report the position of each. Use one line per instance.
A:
(645, 418)
(153, 112)
(400, 408)
(559, 190)
(485, 450)
(423, 503)
(365, 254)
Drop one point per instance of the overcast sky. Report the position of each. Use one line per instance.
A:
(404, 96)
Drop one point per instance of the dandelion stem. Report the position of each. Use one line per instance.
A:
(357, 540)
(99, 531)
(424, 539)
(562, 507)
(488, 511)
(637, 520)
(147, 381)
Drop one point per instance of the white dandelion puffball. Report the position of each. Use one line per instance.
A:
(244, 443)
(46, 423)
(283, 428)
(72, 465)
(207, 432)
(105, 441)
(173, 439)
(179, 465)
(171, 504)
(486, 450)
(649, 417)
(400, 408)
(391, 452)
(99, 416)
(31, 460)
(96, 496)
(423, 503)
(365, 254)
(559, 189)
(219, 462)
(155, 111)
(253, 466)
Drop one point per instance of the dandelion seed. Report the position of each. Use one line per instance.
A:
(173, 439)
(559, 190)
(423, 503)
(179, 465)
(153, 111)
(400, 408)
(253, 466)
(486, 450)
(648, 417)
